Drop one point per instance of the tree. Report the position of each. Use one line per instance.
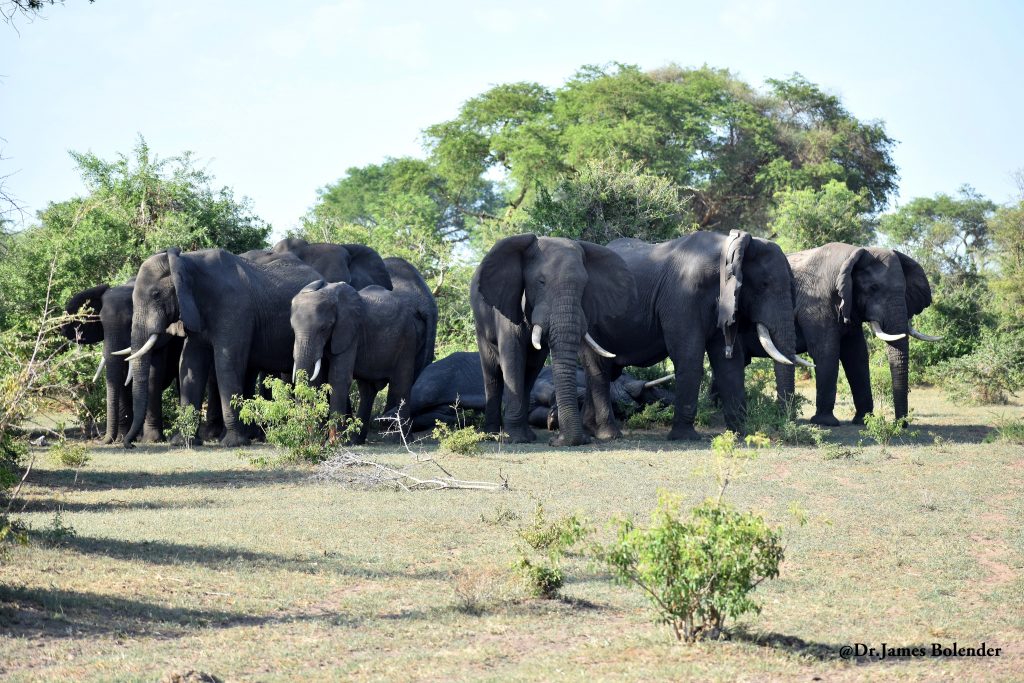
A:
(1007, 233)
(803, 219)
(9, 9)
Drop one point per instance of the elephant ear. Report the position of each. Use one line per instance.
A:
(312, 286)
(611, 289)
(366, 267)
(351, 313)
(90, 330)
(730, 282)
(844, 284)
(500, 275)
(289, 244)
(919, 292)
(182, 275)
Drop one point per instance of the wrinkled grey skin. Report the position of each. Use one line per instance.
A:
(356, 264)
(369, 335)
(564, 286)
(697, 295)
(410, 286)
(235, 313)
(458, 377)
(111, 323)
(839, 287)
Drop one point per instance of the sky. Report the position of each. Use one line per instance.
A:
(278, 99)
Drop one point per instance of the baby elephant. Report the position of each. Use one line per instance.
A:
(369, 336)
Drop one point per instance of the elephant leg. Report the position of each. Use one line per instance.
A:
(513, 359)
(213, 427)
(494, 385)
(367, 397)
(153, 427)
(853, 354)
(339, 377)
(229, 364)
(598, 411)
(193, 374)
(688, 358)
(728, 376)
(826, 374)
(399, 389)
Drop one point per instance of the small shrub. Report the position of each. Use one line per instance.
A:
(477, 589)
(883, 430)
(69, 454)
(459, 441)
(502, 516)
(837, 451)
(765, 413)
(990, 374)
(1008, 431)
(652, 415)
(58, 531)
(542, 578)
(696, 571)
(729, 459)
(539, 564)
(560, 534)
(186, 422)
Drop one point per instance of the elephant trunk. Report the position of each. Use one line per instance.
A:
(307, 356)
(564, 337)
(140, 396)
(116, 370)
(898, 352)
(782, 330)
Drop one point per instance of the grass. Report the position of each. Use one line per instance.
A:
(197, 560)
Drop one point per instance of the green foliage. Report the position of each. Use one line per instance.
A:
(460, 441)
(838, 451)
(697, 571)
(294, 418)
(1008, 431)
(807, 218)
(607, 199)
(58, 531)
(990, 374)
(883, 430)
(1006, 229)
(558, 535)
(765, 413)
(186, 423)
(651, 415)
(542, 578)
(539, 563)
(70, 454)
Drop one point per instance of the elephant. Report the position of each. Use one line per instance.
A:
(235, 313)
(698, 294)
(111, 323)
(533, 295)
(458, 378)
(369, 335)
(410, 285)
(356, 264)
(838, 288)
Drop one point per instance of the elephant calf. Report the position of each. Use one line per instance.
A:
(368, 335)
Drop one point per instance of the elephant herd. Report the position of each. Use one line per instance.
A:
(214, 321)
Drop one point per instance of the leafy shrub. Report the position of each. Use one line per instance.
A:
(765, 413)
(837, 451)
(459, 441)
(883, 430)
(1008, 431)
(651, 415)
(539, 564)
(560, 534)
(58, 531)
(186, 423)
(295, 417)
(70, 454)
(542, 578)
(990, 374)
(696, 571)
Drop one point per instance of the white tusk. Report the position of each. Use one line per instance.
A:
(537, 331)
(128, 377)
(597, 347)
(103, 361)
(295, 371)
(923, 337)
(145, 347)
(801, 361)
(884, 336)
(766, 341)
(316, 370)
(660, 380)
(122, 352)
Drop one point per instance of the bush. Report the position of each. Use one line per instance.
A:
(1008, 431)
(883, 430)
(186, 423)
(765, 413)
(651, 415)
(459, 441)
(68, 454)
(697, 571)
(539, 564)
(988, 375)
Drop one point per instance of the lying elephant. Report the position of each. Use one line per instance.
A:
(459, 377)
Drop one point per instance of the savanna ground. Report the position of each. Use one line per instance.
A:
(200, 560)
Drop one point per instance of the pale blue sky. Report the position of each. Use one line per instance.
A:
(279, 98)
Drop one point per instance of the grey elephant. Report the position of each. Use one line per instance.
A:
(235, 313)
(409, 285)
(698, 294)
(532, 296)
(627, 393)
(356, 264)
(111, 322)
(368, 335)
(839, 287)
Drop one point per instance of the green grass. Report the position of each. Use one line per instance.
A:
(197, 560)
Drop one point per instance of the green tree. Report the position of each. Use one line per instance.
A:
(1007, 233)
(803, 219)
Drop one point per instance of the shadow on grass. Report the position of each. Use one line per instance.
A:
(113, 505)
(165, 553)
(98, 480)
(822, 652)
(954, 434)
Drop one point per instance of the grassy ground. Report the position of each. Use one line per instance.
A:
(198, 560)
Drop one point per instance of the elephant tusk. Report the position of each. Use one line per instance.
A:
(884, 336)
(537, 331)
(923, 337)
(295, 371)
(145, 347)
(128, 377)
(766, 341)
(660, 380)
(122, 352)
(103, 361)
(316, 370)
(801, 361)
(597, 347)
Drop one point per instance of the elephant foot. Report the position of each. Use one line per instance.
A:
(858, 419)
(563, 440)
(211, 432)
(825, 420)
(152, 435)
(684, 433)
(607, 433)
(106, 440)
(520, 436)
(234, 440)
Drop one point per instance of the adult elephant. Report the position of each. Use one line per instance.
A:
(698, 294)
(235, 313)
(838, 288)
(410, 286)
(531, 296)
(356, 264)
(111, 323)
(368, 335)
